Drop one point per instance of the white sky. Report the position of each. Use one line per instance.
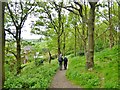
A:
(26, 30)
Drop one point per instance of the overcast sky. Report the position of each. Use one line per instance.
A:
(26, 30)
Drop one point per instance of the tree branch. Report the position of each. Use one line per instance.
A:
(12, 53)
(62, 30)
(11, 15)
(82, 37)
(101, 34)
(118, 1)
(8, 30)
(51, 20)
(21, 9)
(71, 10)
(103, 16)
(25, 16)
(80, 8)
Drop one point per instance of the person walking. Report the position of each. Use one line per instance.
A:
(60, 60)
(65, 63)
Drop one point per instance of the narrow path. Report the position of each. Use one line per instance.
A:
(60, 81)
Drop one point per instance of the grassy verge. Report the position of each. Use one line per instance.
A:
(103, 75)
(32, 76)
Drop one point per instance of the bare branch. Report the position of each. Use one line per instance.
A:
(12, 53)
(71, 11)
(52, 22)
(21, 9)
(8, 30)
(11, 15)
(103, 16)
(25, 16)
(102, 34)
(82, 37)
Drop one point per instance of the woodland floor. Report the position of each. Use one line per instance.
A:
(60, 81)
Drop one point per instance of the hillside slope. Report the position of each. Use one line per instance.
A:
(32, 76)
(103, 75)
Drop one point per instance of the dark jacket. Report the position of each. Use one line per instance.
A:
(60, 59)
(65, 60)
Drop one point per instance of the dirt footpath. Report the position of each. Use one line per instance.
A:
(60, 81)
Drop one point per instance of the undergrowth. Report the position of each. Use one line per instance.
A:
(32, 76)
(103, 75)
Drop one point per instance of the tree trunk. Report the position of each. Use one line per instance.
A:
(63, 40)
(75, 42)
(84, 37)
(119, 34)
(18, 52)
(84, 22)
(59, 29)
(50, 57)
(2, 45)
(59, 46)
(119, 16)
(90, 60)
(110, 25)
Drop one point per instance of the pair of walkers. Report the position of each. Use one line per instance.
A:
(60, 60)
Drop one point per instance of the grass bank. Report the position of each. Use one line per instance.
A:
(103, 75)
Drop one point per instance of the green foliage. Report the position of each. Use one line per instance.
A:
(32, 76)
(99, 46)
(103, 75)
(39, 76)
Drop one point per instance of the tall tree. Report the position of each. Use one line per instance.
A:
(91, 23)
(51, 20)
(118, 1)
(60, 29)
(19, 12)
(110, 23)
(73, 19)
(64, 40)
(75, 40)
(80, 9)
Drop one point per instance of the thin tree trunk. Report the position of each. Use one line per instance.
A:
(2, 45)
(59, 45)
(59, 29)
(84, 18)
(63, 40)
(50, 57)
(84, 39)
(19, 52)
(110, 25)
(119, 16)
(75, 42)
(90, 60)
(118, 35)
